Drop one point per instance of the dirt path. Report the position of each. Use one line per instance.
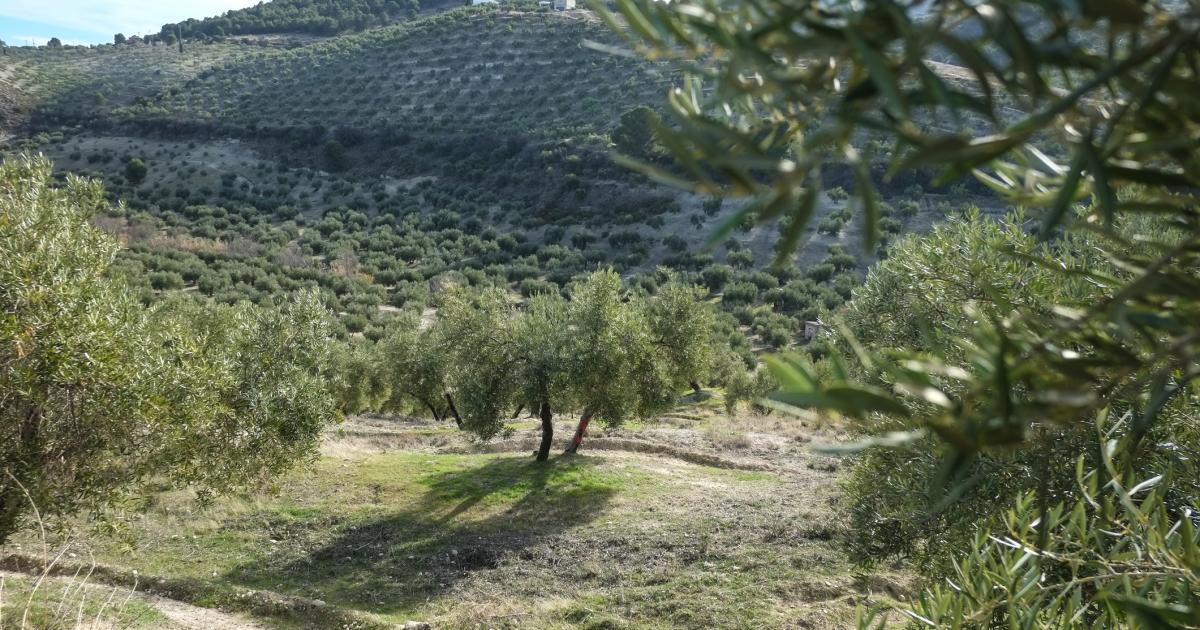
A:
(181, 614)
(197, 618)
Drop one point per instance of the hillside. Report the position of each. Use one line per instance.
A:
(467, 71)
(467, 146)
(75, 85)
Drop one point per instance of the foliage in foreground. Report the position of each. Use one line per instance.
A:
(98, 393)
(912, 303)
(784, 92)
(1116, 555)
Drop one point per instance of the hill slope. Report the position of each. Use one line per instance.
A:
(470, 146)
(470, 70)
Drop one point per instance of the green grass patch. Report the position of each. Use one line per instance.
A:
(594, 541)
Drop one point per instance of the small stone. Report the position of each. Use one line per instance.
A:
(417, 625)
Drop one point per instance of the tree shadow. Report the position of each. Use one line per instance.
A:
(466, 521)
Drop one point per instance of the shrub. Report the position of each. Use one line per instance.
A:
(135, 171)
(739, 293)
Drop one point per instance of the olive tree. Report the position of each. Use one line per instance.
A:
(135, 171)
(363, 383)
(545, 366)
(478, 333)
(414, 364)
(681, 326)
(635, 355)
(99, 393)
(634, 134)
(602, 353)
(249, 389)
(609, 342)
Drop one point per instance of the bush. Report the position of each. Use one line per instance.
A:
(740, 293)
(135, 171)
(166, 280)
(742, 258)
(715, 276)
(535, 286)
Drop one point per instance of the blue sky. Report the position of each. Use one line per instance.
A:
(95, 21)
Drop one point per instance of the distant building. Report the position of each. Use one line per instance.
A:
(564, 5)
(545, 4)
(478, 2)
(813, 329)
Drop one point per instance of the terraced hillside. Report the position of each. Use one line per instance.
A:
(75, 85)
(468, 71)
(471, 146)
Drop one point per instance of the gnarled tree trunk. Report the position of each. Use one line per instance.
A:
(453, 410)
(543, 453)
(433, 410)
(584, 420)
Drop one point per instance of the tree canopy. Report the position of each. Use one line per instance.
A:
(135, 171)
(602, 352)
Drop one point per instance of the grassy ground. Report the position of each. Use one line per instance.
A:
(610, 539)
(27, 602)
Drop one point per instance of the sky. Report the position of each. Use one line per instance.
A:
(95, 21)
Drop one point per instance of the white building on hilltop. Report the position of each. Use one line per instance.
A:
(564, 5)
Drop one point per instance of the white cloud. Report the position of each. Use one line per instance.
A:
(116, 16)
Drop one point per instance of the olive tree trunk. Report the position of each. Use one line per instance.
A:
(580, 431)
(543, 453)
(453, 410)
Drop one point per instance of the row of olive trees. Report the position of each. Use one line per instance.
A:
(607, 354)
(99, 394)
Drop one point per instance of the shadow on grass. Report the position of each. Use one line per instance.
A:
(467, 520)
